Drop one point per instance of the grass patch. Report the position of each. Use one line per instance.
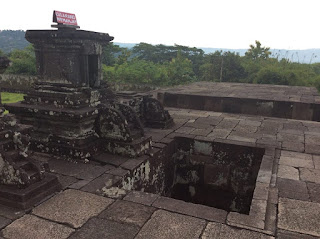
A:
(7, 97)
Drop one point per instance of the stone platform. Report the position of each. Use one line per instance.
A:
(291, 102)
(285, 203)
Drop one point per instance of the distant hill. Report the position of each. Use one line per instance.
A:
(10, 40)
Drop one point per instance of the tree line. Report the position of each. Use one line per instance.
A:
(161, 65)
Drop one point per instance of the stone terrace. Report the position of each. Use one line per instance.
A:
(291, 102)
(286, 202)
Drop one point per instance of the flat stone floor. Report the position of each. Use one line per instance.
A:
(80, 211)
(249, 91)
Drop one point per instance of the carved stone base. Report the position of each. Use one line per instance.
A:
(135, 148)
(28, 197)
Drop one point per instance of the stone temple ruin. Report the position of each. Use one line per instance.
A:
(221, 160)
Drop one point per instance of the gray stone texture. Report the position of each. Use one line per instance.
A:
(141, 197)
(195, 210)
(32, 227)
(299, 216)
(72, 207)
(128, 212)
(168, 225)
(222, 231)
(98, 228)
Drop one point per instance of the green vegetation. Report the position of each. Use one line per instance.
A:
(161, 65)
(7, 97)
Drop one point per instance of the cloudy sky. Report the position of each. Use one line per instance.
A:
(282, 24)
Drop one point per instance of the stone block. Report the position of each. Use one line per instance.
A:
(293, 189)
(222, 231)
(314, 191)
(128, 212)
(72, 207)
(98, 228)
(299, 216)
(303, 162)
(282, 234)
(195, 210)
(104, 181)
(141, 197)
(288, 172)
(316, 161)
(168, 225)
(32, 227)
(310, 175)
(4, 222)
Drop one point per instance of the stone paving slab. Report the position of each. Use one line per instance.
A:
(98, 228)
(293, 189)
(10, 213)
(299, 216)
(191, 209)
(314, 191)
(72, 207)
(222, 231)
(288, 172)
(141, 197)
(297, 162)
(4, 222)
(310, 175)
(32, 227)
(168, 225)
(128, 212)
(282, 234)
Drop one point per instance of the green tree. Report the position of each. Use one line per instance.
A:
(180, 70)
(110, 54)
(258, 52)
(223, 66)
(23, 61)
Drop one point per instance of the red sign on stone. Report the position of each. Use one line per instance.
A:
(64, 18)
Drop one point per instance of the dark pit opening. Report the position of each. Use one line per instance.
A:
(215, 174)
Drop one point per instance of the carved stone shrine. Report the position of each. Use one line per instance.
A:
(73, 113)
(23, 180)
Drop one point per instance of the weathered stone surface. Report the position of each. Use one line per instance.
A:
(220, 133)
(316, 161)
(98, 228)
(4, 222)
(32, 227)
(128, 212)
(314, 191)
(288, 172)
(72, 207)
(79, 184)
(11, 213)
(76, 169)
(170, 225)
(305, 162)
(104, 181)
(195, 210)
(293, 189)
(310, 175)
(222, 231)
(261, 191)
(282, 234)
(299, 216)
(133, 163)
(141, 197)
(66, 180)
